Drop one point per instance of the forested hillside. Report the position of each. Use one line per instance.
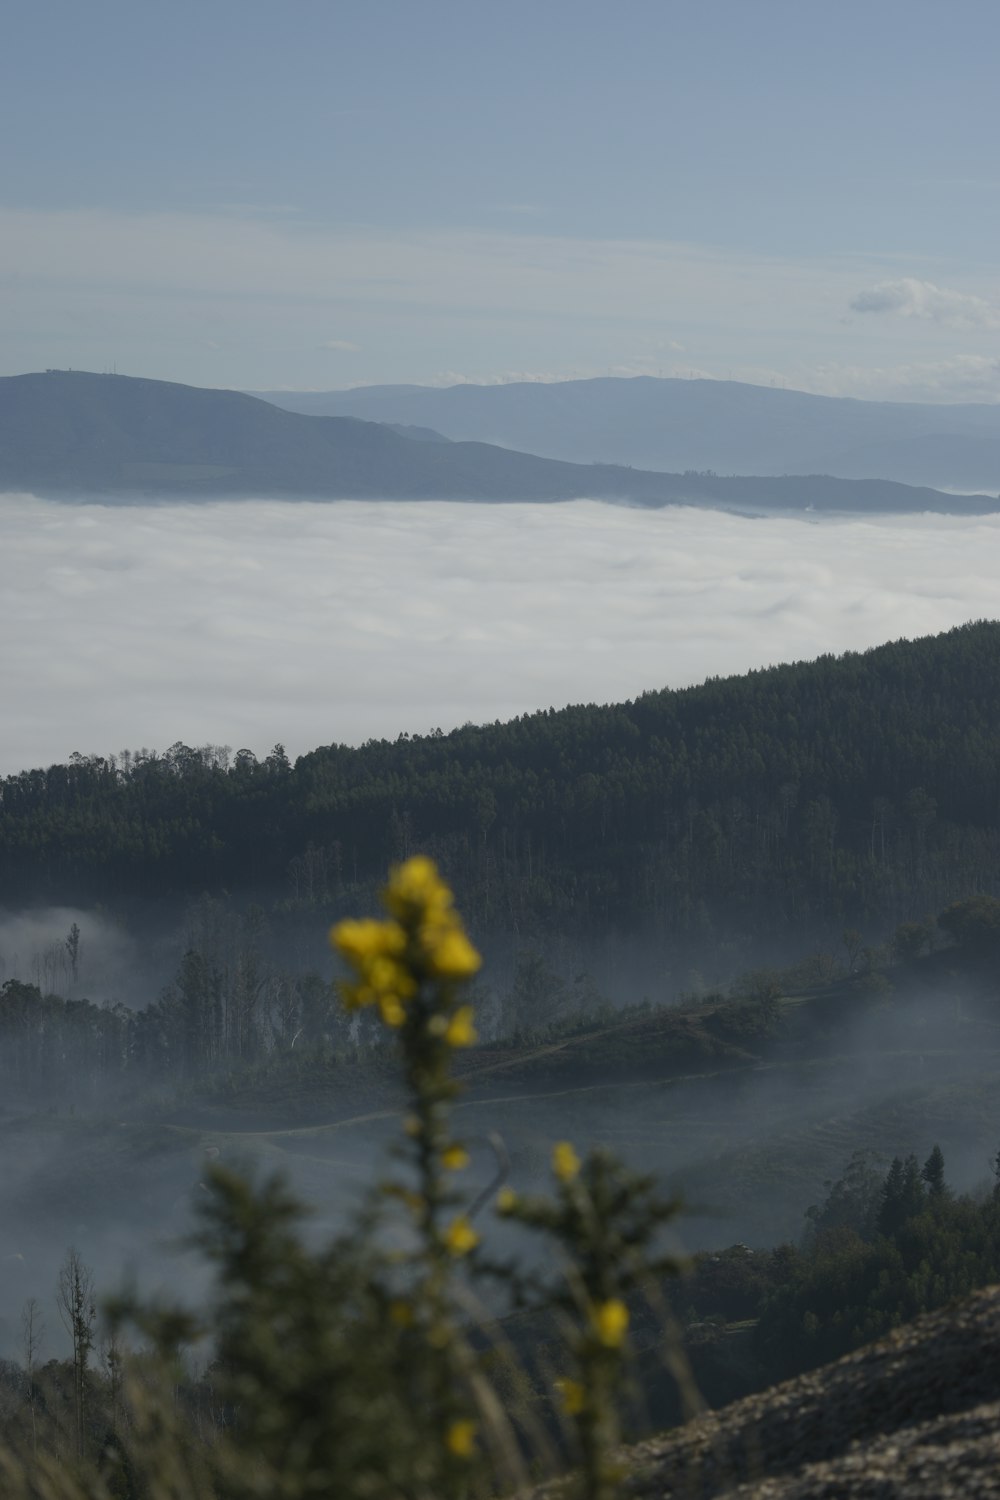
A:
(71, 433)
(674, 424)
(862, 788)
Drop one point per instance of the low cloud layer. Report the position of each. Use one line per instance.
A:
(251, 622)
(909, 298)
(964, 377)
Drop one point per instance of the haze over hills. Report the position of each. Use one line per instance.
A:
(694, 424)
(75, 433)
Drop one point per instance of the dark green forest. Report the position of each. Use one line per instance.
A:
(883, 1247)
(860, 789)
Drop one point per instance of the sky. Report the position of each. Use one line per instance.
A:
(330, 193)
(252, 622)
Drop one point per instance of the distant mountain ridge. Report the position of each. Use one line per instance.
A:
(672, 424)
(82, 435)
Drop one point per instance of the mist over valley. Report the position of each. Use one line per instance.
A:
(738, 929)
(499, 743)
(703, 914)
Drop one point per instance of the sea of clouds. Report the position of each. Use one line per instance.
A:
(250, 622)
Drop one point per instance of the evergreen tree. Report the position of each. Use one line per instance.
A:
(933, 1175)
(914, 1192)
(903, 1196)
(889, 1214)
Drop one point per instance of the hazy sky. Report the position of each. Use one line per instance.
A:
(252, 622)
(335, 192)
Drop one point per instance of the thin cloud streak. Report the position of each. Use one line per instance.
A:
(252, 622)
(246, 301)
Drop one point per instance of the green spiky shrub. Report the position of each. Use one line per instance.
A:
(347, 1372)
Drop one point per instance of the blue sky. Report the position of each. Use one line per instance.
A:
(323, 193)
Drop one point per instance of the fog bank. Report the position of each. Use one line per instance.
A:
(251, 622)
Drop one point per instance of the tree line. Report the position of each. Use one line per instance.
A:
(231, 1009)
(884, 1246)
(858, 788)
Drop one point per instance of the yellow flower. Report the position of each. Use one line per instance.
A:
(449, 953)
(565, 1162)
(391, 1011)
(416, 889)
(573, 1397)
(356, 996)
(454, 1158)
(460, 1237)
(401, 1313)
(610, 1321)
(388, 975)
(506, 1200)
(461, 1438)
(361, 941)
(460, 1031)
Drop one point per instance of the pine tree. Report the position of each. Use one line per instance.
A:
(903, 1195)
(890, 1210)
(914, 1193)
(933, 1175)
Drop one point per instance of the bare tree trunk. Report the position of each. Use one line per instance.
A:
(32, 1335)
(113, 1360)
(78, 1310)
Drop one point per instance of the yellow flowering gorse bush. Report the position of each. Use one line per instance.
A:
(422, 939)
(605, 1219)
(411, 967)
(346, 1370)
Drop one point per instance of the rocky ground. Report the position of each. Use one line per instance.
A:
(915, 1415)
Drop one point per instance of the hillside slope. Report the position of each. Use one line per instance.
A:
(916, 1415)
(695, 424)
(855, 789)
(76, 434)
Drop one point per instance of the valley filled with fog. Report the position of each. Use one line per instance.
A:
(309, 623)
(736, 935)
(499, 744)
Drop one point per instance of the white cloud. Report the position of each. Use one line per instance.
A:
(910, 298)
(964, 377)
(247, 623)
